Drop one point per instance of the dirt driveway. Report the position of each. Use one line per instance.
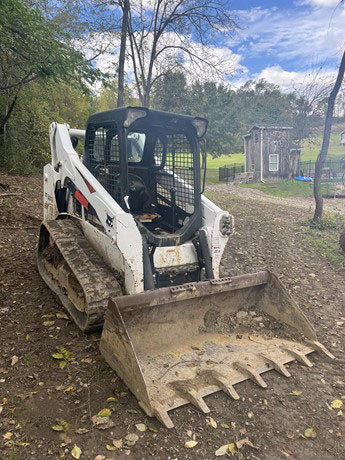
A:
(36, 394)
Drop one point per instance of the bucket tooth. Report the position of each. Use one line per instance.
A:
(250, 372)
(320, 348)
(162, 416)
(193, 396)
(156, 409)
(221, 381)
(300, 357)
(279, 367)
(227, 388)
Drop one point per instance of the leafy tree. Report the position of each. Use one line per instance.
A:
(209, 100)
(37, 106)
(32, 49)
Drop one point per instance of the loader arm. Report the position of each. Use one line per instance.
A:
(119, 226)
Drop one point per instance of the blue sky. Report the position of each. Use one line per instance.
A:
(284, 39)
(285, 42)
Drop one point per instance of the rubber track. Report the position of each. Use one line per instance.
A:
(97, 281)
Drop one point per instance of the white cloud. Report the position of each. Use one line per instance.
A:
(323, 3)
(298, 81)
(299, 35)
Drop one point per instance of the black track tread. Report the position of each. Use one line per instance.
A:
(95, 277)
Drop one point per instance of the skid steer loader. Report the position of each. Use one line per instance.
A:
(129, 242)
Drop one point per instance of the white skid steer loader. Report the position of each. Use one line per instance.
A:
(129, 243)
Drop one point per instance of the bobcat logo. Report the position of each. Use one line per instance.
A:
(109, 221)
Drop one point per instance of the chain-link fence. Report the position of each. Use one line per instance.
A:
(228, 173)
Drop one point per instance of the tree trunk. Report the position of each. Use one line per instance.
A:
(325, 142)
(9, 111)
(121, 73)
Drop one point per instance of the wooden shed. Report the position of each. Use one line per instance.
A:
(342, 138)
(270, 153)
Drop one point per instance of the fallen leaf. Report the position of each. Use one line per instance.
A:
(14, 360)
(309, 433)
(48, 323)
(82, 430)
(339, 323)
(22, 444)
(57, 428)
(153, 429)
(63, 423)
(69, 388)
(222, 450)
(131, 439)
(287, 452)
(111, 448)
(189, 433)
(111, 399)
(339, 413)
(57, 356)
(61, 315)
(118, 443)
(212, 422)
(224, 425)
(132, 411)
(87, 360)
(245, 442)
(190, 444)
(7, 435)
(232, 448)
(141, 427)
(62, 364)
(99, 457)
(76, 452)
(104, 413)
(296, 392)
(336, 404)
(102, 423)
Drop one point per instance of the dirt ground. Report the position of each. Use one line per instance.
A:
(36, 394)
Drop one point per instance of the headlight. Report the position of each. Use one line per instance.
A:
(200, 125)
(132, 115)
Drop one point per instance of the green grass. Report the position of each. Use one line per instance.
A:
(284, 189)
(324, 238)
(311, 147)
(288, 188)
(225, 160)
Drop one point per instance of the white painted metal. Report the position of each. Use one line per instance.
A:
(123, 233)
(172, 256)
(78, 133)
(211, 216)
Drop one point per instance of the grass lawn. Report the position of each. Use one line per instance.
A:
(284, 189)
(311, 147)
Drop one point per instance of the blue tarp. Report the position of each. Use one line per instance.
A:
(303, 179)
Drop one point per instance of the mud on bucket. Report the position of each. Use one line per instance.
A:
(174, 346)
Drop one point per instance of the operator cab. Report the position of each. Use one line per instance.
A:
(149, 162)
